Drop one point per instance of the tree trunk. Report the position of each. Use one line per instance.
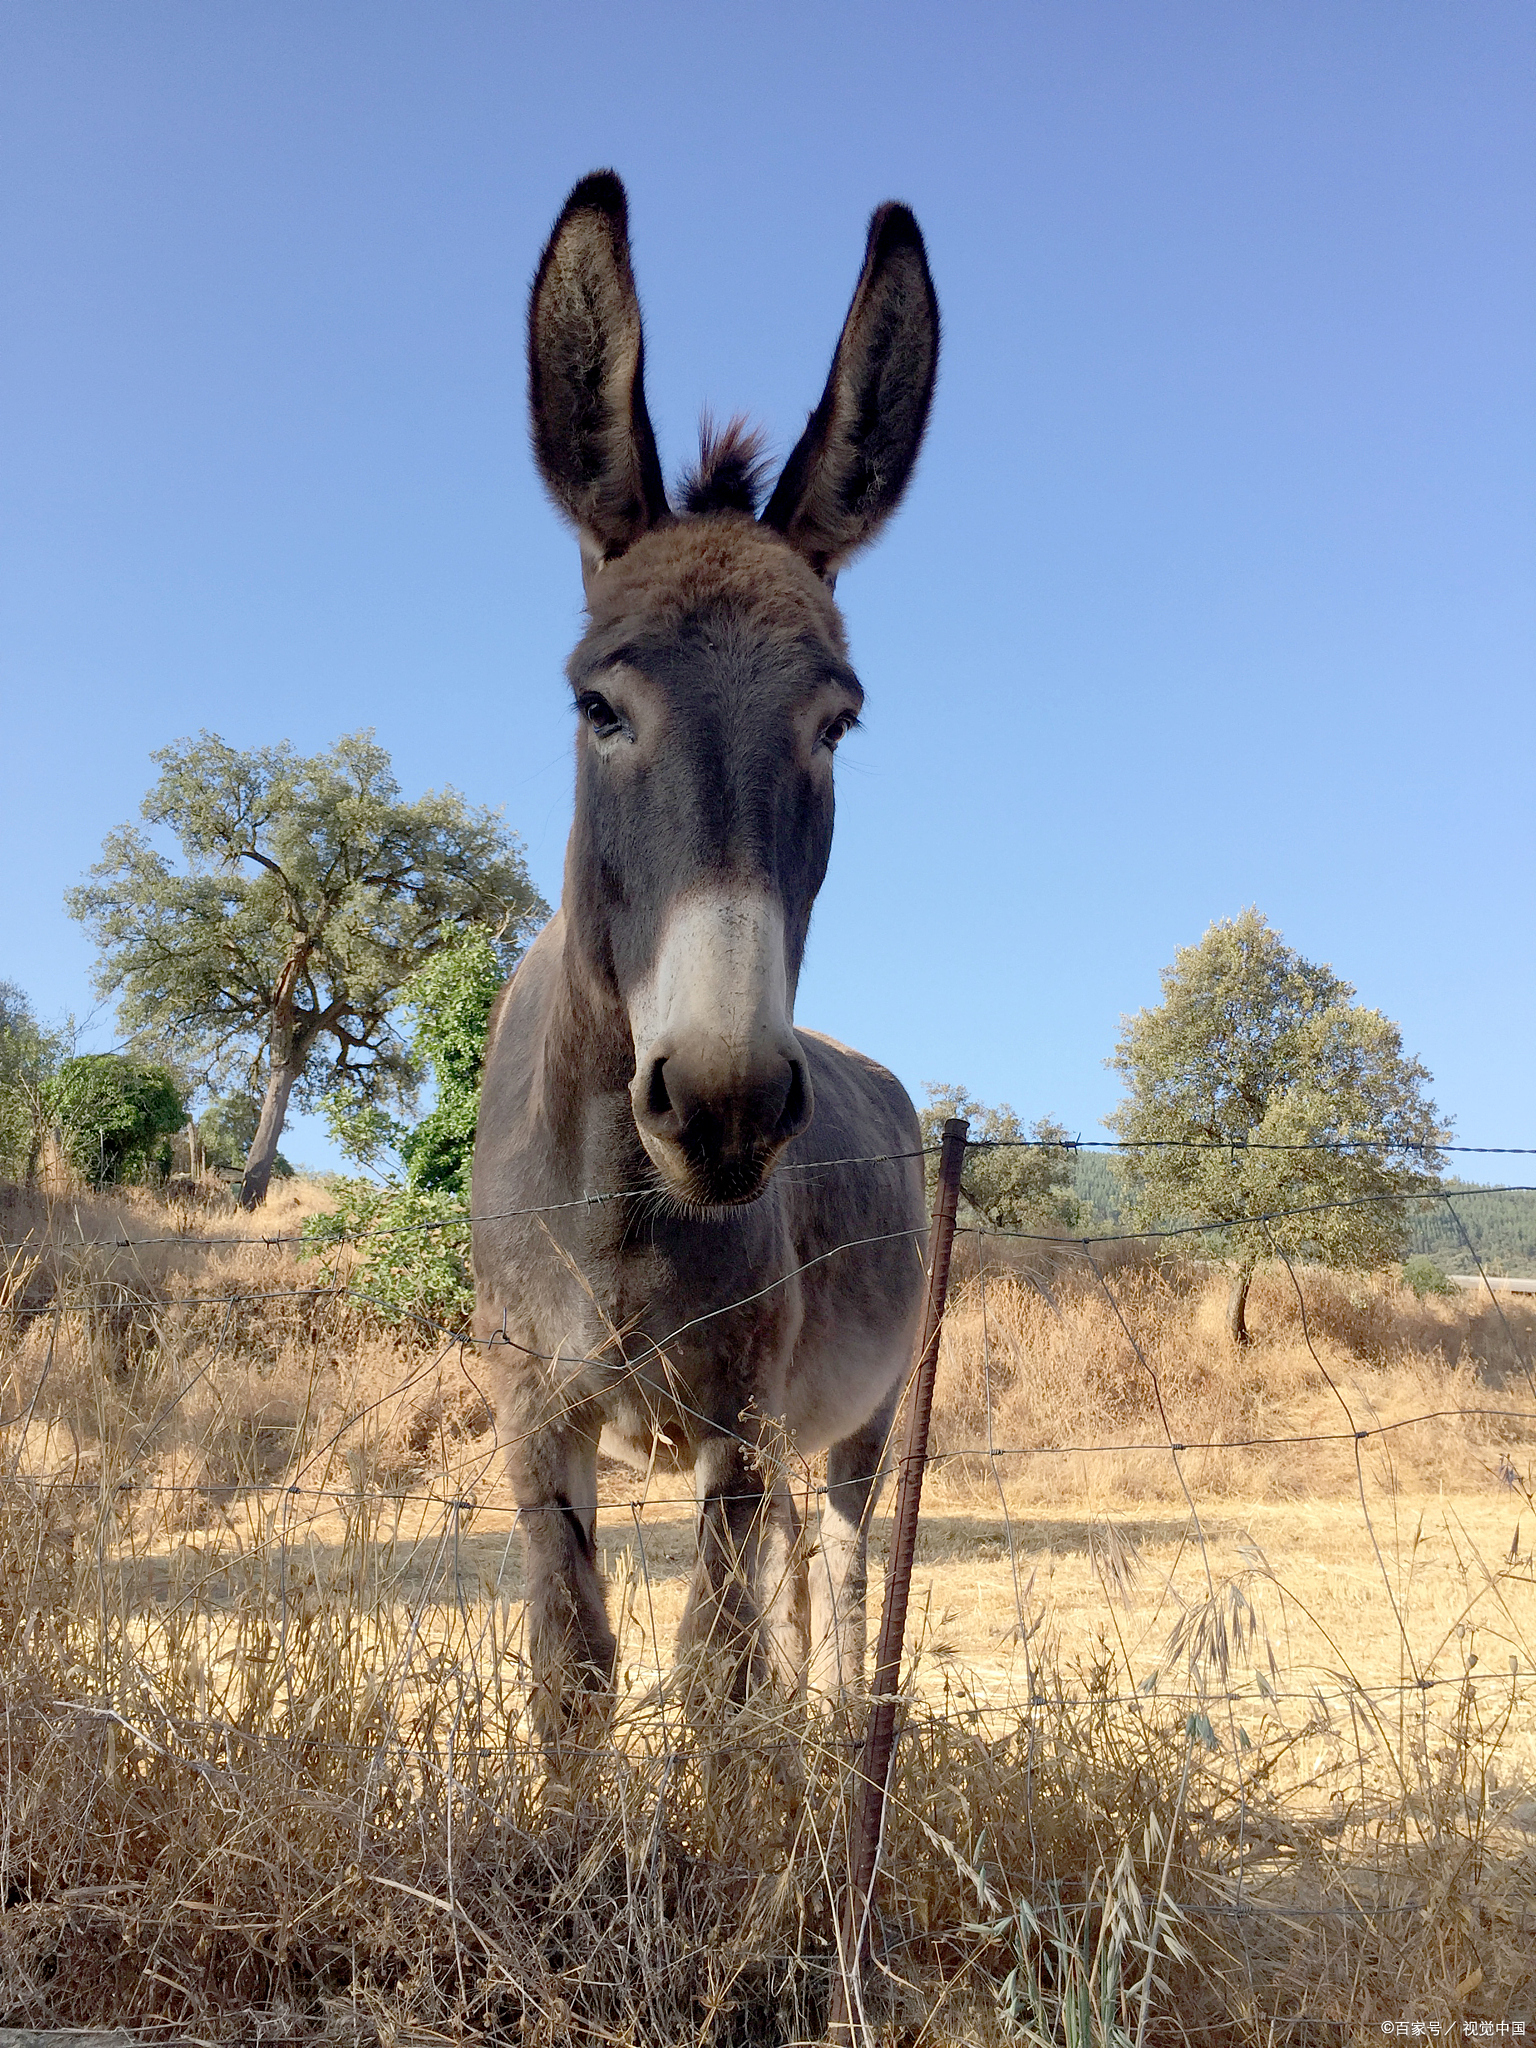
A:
(274, 1108)
(1237, 1302)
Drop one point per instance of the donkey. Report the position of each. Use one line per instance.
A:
(698, 1227)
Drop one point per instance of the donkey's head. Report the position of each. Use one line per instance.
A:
(712, 684)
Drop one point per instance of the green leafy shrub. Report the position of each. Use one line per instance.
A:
(28, 1057)
(451, 998)
(1424, 1276)
(411, 1243)
(409, 1250)
(115, 1118)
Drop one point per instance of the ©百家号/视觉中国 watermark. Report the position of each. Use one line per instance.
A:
(1466, 2030)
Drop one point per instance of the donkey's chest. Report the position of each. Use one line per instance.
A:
(680, 1337)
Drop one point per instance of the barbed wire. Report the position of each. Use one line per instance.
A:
(317, 1240)
(1059, 1237)
(313, 1239)
(1006, 1711)
(1068, 1238)
(1239, 1143)
(474, 1503)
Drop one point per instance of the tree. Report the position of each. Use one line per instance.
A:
(306, 895)
(227, 1129)
(451, 999)
(1252, 1046)
(410, 1244)
(115, 1117)
(28, 1058)
(1016, 1186)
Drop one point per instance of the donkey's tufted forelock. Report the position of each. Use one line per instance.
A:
(693, 565)
(731, 474)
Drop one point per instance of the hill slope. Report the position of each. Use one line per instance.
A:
(1500, 1221)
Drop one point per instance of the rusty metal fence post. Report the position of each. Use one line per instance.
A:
(879, 1737)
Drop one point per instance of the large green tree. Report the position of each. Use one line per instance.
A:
(1259, 1084)
(272, 946)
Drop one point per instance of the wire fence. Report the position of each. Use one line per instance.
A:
(349, 1553)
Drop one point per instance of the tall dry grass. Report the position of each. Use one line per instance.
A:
(267, 1771)
(1137, 1354)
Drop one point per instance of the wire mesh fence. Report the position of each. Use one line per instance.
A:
(1216, 1711)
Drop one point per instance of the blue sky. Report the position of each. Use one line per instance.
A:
(1214, 587)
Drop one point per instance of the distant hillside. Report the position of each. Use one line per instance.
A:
(1095, 1182)
(1501, 1225)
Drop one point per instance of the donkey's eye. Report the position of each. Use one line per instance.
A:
(599, 714)
(840, 727)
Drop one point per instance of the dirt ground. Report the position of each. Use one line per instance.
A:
(1259, 1609)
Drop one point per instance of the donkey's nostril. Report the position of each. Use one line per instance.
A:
(720, 1123)
(795, 1114)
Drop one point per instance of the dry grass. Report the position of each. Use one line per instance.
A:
(1141, 1357)
(267, 1773)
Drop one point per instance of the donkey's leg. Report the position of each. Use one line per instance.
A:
(747, 1598)
(839, 1568)
(722, 1613)
(781, 1587)
(570, 1644)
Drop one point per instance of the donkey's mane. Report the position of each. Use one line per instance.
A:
(731, 473)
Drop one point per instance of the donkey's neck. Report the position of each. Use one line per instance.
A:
(579, 1060)
(588, 1042)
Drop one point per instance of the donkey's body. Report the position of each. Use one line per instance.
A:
(671, 1262)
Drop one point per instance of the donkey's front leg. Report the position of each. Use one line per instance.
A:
(839, 1566)
(746, 1599)
(570, 1644)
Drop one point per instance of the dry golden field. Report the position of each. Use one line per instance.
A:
(1237, 1745)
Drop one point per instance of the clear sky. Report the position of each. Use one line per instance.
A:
(1214, 586)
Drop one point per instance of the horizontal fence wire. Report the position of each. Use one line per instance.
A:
(597, 1200)
(1418, 1191)
(949, 1454)
(1247, 1219)
(1238, 1143)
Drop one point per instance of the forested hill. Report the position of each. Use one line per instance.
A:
(1502, 1225)
(1095, 1181)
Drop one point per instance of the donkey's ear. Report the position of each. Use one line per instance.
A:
(851, 464)
(586, 387)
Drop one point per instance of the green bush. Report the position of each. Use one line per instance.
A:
(451, 998)
(28, 1056)
(1424, 1276)
(115, 1118)
(412, 1250)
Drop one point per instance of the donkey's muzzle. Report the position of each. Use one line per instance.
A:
(716, 1133)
